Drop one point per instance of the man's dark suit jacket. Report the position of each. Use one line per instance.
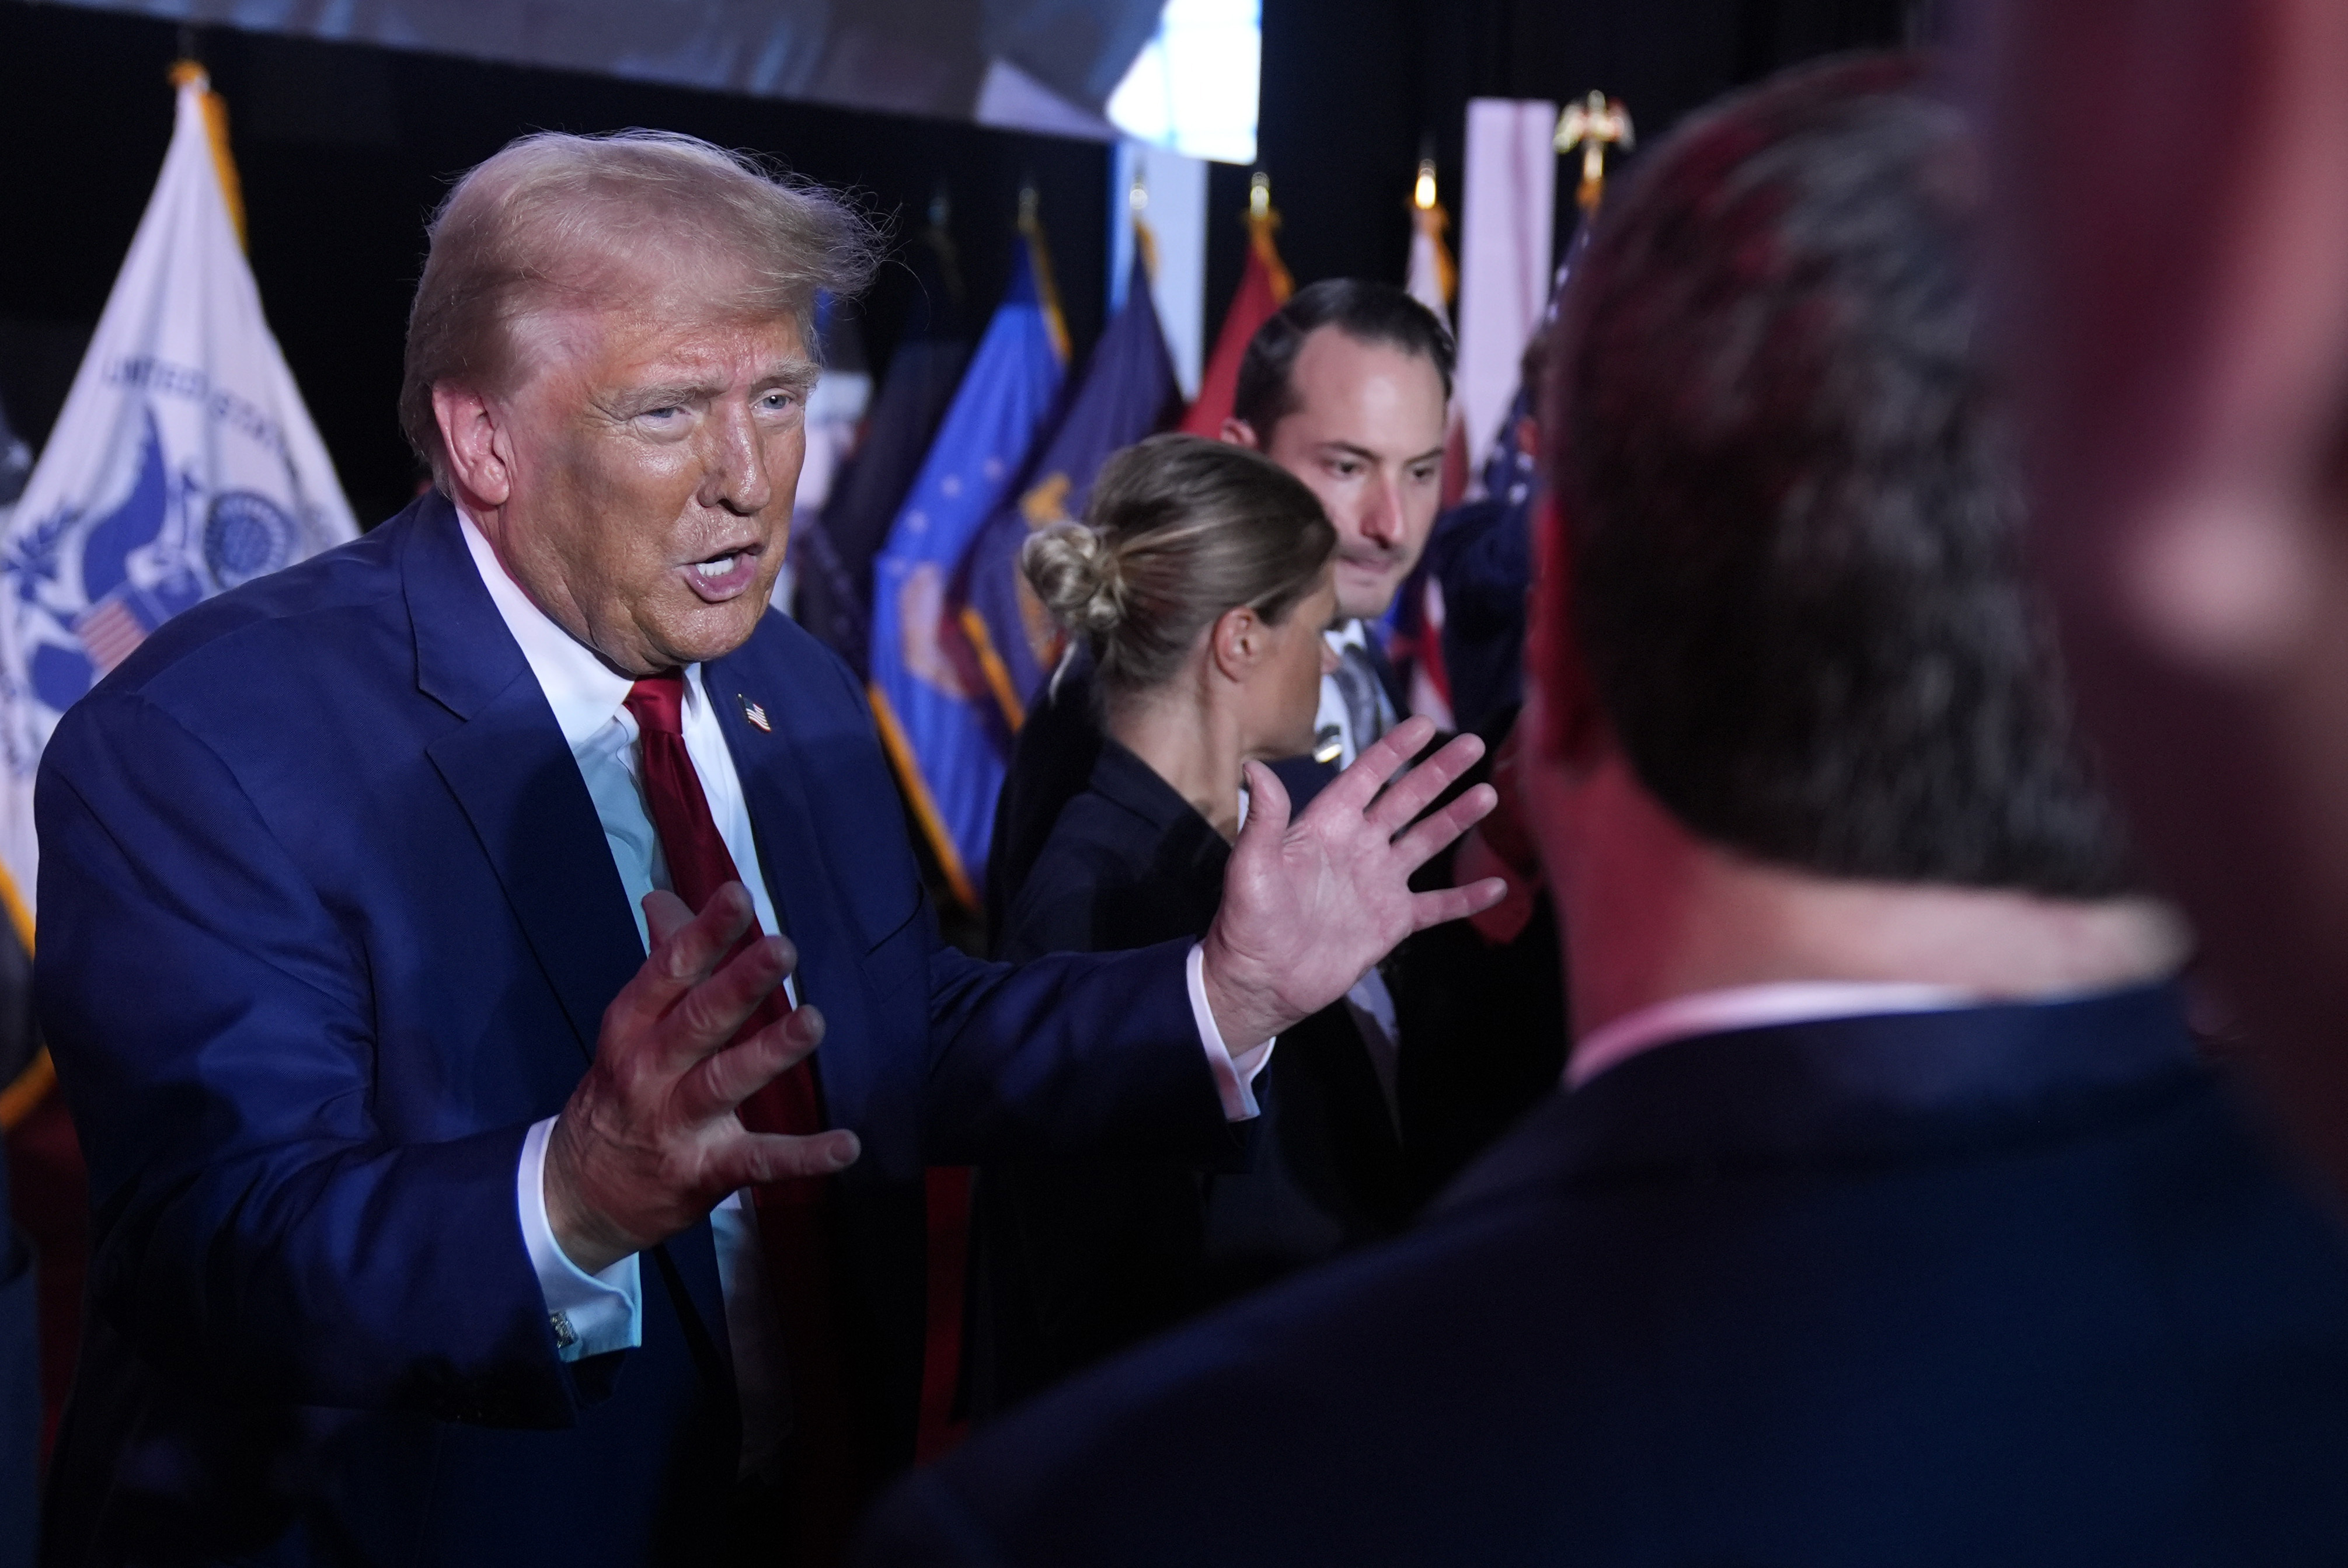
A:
(2010, 1285)
(328, 921)
(1077, 1259)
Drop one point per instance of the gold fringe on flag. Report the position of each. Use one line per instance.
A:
(188, 73)
(917, 792)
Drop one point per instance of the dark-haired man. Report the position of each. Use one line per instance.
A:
(1346, 387)
(2192, 423)
(1889, 1216)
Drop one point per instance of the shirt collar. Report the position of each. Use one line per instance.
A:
(1751, 1007)
(586, 693)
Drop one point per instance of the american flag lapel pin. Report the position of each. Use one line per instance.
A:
(754, 713)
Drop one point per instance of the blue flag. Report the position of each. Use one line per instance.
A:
(939, 727)
(1129, 392)
(833, 552)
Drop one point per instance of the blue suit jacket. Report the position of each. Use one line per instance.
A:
(2003, 1287)
(20, 1391)
(328, 920)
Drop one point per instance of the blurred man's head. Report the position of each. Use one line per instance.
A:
(1787, 606)
(2181, 323)
(1347, 387)
(608, 361)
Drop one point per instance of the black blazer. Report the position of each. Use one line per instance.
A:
(1075, 1260)
(2010, 1285)
(1483, 1027)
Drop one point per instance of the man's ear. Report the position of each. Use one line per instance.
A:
(1237, 641)
(1240, 433)
(471, 429)
(1568, 726)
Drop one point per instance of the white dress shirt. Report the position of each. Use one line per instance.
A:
(1370, 1003)
(1751, 1007)
(599, 1313)
(1334, 723)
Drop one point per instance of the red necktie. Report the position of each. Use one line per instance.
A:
(827, 1473)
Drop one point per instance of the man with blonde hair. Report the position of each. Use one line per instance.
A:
(436, 938)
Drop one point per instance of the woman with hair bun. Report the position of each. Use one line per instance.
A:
(1199, 584)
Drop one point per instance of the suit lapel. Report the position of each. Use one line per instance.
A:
(519, 787)
(509, 768)
(774, 767)
(516, 779)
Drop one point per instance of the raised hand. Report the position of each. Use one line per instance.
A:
(1309, 905)
(649, 1141)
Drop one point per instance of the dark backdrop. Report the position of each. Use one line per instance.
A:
(343, 149)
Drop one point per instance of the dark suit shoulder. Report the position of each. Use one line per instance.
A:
(1128, 864)
(2095, 1336)
(269, 659)
(249, 625)
(1089, 866)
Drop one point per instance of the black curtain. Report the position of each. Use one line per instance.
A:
(344, 149)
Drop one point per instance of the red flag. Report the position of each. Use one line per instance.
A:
(1264, 287)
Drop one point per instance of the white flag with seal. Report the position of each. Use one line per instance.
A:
(1508, 201)
(182, 464)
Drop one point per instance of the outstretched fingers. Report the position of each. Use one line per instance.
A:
(686, 948)
(711, 1013)
(665, 915)
(1425, 840)
(757, 1158)
(1354, 789)
(721, 1081)
(1454, 903)
(1420, 787)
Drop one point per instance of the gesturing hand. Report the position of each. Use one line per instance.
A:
(649, 1141)
(1309, 904)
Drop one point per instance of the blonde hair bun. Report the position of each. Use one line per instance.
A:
(1075, 574)
(1178, 530)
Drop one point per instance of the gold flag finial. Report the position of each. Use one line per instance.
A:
(1431, 219)
(1262, 220)
(190, 73)
(1594, 124)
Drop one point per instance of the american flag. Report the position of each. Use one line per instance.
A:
(110, 629)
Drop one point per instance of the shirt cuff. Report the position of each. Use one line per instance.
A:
(592, 1314)
(1234, 1075)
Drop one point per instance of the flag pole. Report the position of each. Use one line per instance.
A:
(191, 72)
(29, 1088)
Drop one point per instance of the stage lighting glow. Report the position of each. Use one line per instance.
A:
(1193, 87)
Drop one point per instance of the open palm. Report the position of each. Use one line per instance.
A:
(1309, 904)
